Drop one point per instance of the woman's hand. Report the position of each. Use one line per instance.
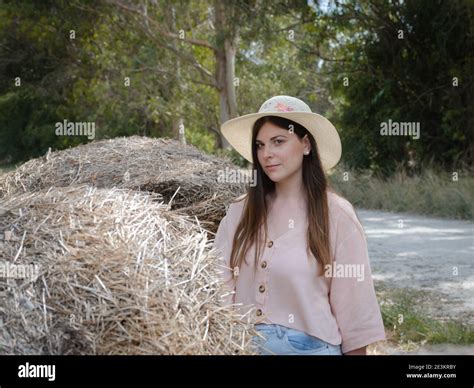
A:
(357, 352)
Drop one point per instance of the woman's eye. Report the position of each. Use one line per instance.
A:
(258, 145)
(279, 141)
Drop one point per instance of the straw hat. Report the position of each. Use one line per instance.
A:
(238, 131)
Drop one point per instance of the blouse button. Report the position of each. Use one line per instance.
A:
(259, 312)
(264, 264)
(270, 244)
(261, 288)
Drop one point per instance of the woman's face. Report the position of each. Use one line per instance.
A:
(280, 152)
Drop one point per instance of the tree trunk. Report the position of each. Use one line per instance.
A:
(225, 68)
(178, 125)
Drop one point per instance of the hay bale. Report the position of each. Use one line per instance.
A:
(182, 173)
(118, 273)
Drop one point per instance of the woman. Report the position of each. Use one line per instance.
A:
(295, 252)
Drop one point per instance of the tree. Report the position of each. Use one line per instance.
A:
(221, 39)
(406, 62)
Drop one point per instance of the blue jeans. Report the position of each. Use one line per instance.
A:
(282, 340)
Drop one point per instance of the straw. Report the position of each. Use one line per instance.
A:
(163, 166)
(118, 271)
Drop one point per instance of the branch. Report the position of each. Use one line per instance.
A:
(316, 52)
(167, 34)
(188, 58)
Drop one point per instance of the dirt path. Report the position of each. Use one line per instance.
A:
(424, 253)
(414, 349)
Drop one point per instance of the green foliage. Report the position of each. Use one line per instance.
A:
(408, 322)
(38, 72)
(306, 53)
(405, 80)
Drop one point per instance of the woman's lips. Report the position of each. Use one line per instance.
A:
(273, 167)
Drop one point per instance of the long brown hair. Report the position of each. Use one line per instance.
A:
(255, 211)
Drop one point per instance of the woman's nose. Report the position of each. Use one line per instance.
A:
(267, 152)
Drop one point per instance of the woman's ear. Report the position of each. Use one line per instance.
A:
(306, 144)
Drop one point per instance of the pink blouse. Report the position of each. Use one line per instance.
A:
(286, 290)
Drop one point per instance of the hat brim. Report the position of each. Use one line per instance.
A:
(238, 132)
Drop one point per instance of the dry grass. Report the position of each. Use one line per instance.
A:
(181, 173)
(431, 192)
(119, 273)
(118, 230)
